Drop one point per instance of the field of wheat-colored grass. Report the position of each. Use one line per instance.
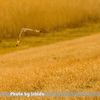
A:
(47, 15)
(72, 65)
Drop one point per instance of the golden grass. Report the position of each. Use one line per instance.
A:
(51, 98)
(45, 14)
(65, 66)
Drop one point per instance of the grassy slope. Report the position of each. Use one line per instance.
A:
(8, 45)
(72, 65)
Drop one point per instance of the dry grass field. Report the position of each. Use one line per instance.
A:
(47, 15)
(72, 65)
(62, 58)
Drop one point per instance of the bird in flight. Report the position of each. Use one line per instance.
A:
(25, 30)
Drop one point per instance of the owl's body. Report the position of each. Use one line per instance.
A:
(24, 30)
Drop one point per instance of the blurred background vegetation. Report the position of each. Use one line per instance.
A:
(47, 15)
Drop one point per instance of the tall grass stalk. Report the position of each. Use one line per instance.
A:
(47, 15)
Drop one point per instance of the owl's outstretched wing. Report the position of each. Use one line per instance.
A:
(24, 30)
